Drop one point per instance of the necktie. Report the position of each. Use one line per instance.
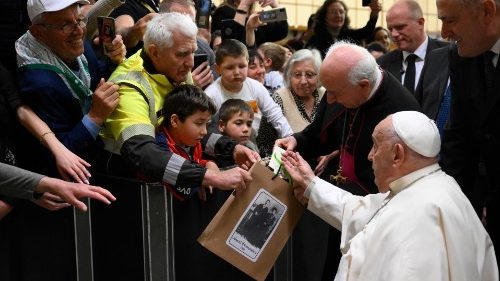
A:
(409, 82)
(444, 110)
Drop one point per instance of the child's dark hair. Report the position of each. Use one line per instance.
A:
(231, 107)
(232, 48)
(252, 54)
(184, 101)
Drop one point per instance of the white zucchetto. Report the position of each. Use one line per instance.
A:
(418, 132)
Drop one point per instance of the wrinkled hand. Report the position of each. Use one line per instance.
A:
(202, 75)
(4, 209)
(323, 162)
(58, 194)
(104, 101)
(51, 202)
(116, 51)
(70, 166)
(300, 172)
(288, 143)
(244, 156)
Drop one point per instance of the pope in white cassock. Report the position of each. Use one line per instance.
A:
(419, 227)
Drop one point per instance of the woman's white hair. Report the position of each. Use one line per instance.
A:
(365, 68)
(299, 56)
(161, 28)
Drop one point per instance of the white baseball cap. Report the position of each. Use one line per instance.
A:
(36, 7)
(418, 132)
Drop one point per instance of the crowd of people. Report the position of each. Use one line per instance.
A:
(391, 136)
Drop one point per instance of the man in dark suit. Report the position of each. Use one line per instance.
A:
(471, 146)
(433, 87)
(405, 21)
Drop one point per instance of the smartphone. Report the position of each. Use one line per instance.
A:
(106, 27)
(199, 59)
(278, 14)
(203, 8)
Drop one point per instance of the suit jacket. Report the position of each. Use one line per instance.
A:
(393, 61)
(324, 134)
(433, 81)
(470, 150)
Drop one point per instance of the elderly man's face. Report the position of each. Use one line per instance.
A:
(176, 62)
(67, 46)
(340, 89)
(406, 31)
(382, 154)
(463, 24)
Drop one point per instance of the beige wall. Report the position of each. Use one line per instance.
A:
(298, 12)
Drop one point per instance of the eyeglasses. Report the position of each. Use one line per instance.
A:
(309, 75)
(69, 27)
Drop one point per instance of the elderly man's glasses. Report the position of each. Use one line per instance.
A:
(69, 27)
(309, 75)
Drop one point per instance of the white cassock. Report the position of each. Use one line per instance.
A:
(428, 230)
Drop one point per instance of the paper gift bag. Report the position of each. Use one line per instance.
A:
(251, 230)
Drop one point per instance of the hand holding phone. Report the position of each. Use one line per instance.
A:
(106, 27)
(199, 59)
(278, 14)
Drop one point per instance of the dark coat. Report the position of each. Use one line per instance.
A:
(324, 134)
(471, 146)
(433, 81)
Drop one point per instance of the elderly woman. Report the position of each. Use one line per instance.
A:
(298, 99)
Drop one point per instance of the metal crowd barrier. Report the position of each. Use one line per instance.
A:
(132, 239)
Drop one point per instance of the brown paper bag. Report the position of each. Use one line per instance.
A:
(250, 231)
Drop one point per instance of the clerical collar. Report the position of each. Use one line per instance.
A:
(409, 179)
(378, 81)
(420, 52)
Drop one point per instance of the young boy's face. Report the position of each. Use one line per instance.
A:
(238, 127)
(192, 130)
(233, 72)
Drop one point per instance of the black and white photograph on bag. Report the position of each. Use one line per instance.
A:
(257, 225)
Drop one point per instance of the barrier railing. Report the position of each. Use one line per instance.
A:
(133, 238)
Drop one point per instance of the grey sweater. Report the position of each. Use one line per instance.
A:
(16, 182)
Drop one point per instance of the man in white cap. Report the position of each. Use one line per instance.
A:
(419, 227)
(61, 79)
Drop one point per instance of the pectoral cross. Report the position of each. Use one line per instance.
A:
(338, 178)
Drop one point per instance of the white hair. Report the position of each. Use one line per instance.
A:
(365, 68)
(299, 56)
(160, 30)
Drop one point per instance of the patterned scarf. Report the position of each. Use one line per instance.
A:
(32, 54)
